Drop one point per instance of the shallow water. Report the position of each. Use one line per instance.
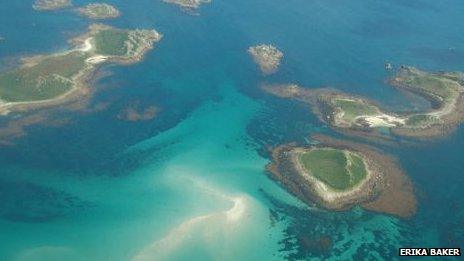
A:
(190, 184)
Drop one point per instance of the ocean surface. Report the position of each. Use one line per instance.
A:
(191, 183)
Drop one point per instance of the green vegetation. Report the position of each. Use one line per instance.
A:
(99, 11)
(353, 108)
(339, 169)
(442, 87)
(454, 76)
(50, 77)
(111, 42)
(422, 120)
(47, 77)
(431, 84)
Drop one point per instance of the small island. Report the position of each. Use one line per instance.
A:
(337, 175)
(357, 115)
(267, 57)
(45, 5)
(51, 79)
(99, 11)
(188, 4)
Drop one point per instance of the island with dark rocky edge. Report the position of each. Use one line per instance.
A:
(267, 57)
(99, 11)
(188, 4)
(358, 115)
(44, 5)
(337, 175)
(52, 79)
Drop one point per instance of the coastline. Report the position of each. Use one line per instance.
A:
(81, 80)
(396, 123)
(450, 120)
(92, 11)
(386, 189)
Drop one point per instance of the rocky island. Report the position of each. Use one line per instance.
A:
(267, 57)
(99, 11)
(337, 175)
(51, 79)
(188, 4)
(43, 5)
(357, 115)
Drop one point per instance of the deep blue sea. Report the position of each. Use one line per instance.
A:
(191, 184)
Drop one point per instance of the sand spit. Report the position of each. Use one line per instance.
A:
(221, 222)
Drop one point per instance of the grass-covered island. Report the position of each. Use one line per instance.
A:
(339, 174)
(51, 79)
(43, 5)
(99, 11)
(267, 57)
(357, 115)
(188, 4)
(339, 170)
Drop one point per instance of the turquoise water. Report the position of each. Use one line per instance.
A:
(190, 184)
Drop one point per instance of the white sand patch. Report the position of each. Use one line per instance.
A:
(208, 225)
(238, 210)
(347, 99)
(96, 59)
(173, 239)
(383, 120)
(87, 46)
(204, 227)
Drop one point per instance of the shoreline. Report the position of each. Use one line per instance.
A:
(387, 189)
(91, 11)
(82, 79)
(451, 119)
(329, 197)
(396, 123)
